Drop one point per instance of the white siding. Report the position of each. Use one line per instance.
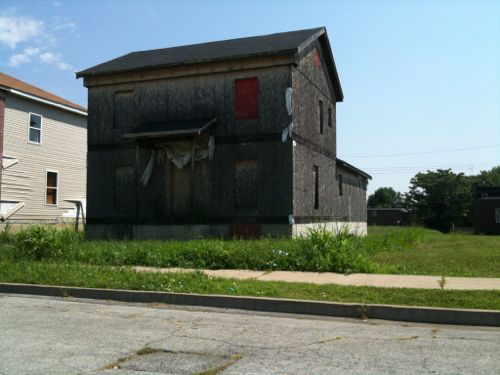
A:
(63, 149)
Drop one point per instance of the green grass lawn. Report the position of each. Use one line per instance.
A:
(435, 253)
(81, 275)
(400, 250)
(50, 257)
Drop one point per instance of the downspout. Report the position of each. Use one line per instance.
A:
(2, 120)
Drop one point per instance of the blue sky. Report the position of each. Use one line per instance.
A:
(419, 77)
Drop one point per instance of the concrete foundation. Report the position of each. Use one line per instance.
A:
(353, 227)
(185, 232)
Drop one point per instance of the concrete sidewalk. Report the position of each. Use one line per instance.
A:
(355, 279)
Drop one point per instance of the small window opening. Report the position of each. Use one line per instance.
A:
(341, 192)
(330, 117)
(316, 186)
(316, 58)
(320, 116)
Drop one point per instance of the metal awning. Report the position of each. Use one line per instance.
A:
(171, 128)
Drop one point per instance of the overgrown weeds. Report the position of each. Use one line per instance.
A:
(43, 243)
(321, 250)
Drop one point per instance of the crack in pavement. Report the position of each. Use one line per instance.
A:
(260, 347)
(336, 338)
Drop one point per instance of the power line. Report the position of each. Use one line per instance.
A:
(419, 153)
(440, 166)
(416, 169)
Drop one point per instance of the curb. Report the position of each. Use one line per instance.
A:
(348, 310)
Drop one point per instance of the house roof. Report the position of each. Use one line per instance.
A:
(292, 42)
(170, 128)
(16, 86)
(346, 165)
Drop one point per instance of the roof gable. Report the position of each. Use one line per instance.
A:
(292, 42)
(10, 82)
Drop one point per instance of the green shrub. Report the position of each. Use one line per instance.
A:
(42, 242)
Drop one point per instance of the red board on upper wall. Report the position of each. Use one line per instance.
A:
(246, 103)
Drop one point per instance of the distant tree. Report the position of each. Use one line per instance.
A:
(385, 197)
(487, 178)
(441, 198)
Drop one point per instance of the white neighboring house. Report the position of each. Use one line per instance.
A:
(43, 148)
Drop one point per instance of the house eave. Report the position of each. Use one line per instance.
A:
(44, 101)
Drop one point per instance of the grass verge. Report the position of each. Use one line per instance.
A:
(397, 250)
(436, 253)
(80, 275)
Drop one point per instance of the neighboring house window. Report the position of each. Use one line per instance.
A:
(320, 116)
(330, 117)
(35, 128)
(340, 185)
(316, 186)
(246, 103)
(51, 189)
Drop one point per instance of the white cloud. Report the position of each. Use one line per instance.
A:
(67, 26)
(19, 59)
(54, 59)
(14, 30)
(17, 29)
(32, 51)
(23, 57)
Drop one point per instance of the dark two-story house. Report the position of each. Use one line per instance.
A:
(228, 138)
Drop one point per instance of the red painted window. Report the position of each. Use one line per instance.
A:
(316, 58)
(246, 104)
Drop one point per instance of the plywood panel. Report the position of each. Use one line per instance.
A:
(181, 192)
(124, 191)
(245, 184)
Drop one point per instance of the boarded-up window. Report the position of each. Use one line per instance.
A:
(124, 190)
(320, 108)
(51, 188)
(246, 103)
(245, 195)
(181, 192)
(316, 187)
(123, 109)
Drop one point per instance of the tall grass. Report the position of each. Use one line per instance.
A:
(42, 243)
(319, 251)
